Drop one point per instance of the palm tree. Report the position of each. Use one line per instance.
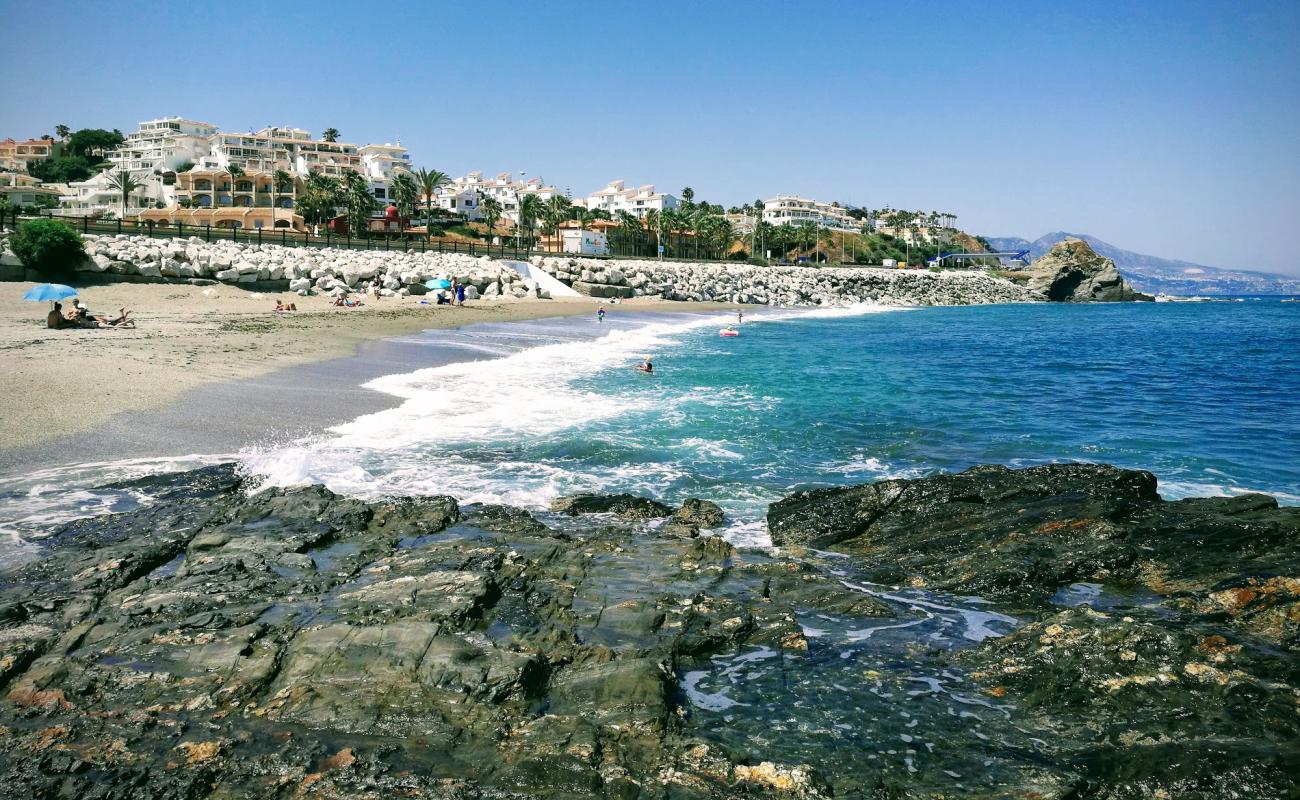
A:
(490, 208)
(278, 179)
(62, 131)
(430, 181)
(556, 211)
(125, 183)
(320, 197)
(330, 135)
(359, 199)
(630, 230)
(531, 209)
(404, 194)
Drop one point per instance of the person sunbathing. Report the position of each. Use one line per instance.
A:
(283, 307)
(56, 320)
(122, 320)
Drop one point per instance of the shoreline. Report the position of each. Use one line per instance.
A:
(63, 384)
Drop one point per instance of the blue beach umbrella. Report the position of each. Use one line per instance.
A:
(437, 283)
(47, 292)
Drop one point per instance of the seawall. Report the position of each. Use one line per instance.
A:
(308, 270)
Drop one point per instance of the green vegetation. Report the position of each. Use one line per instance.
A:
(184, 166)
(319, 198)
(330, 134)
(358, 201)
(531, 210)
(94, 143)
(430, 181)
(404, 193)
(48, 246)
(84, 152)
(490, 208)
(60, 169)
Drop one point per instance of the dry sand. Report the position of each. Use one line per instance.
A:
(57, 382)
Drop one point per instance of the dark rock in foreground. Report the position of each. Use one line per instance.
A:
(298, 644)
(628, 506)
(1175, 674)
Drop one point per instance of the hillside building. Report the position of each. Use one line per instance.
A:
(639, 201)
(16, 155)
(794, 210)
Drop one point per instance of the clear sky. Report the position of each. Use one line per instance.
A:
(1171, 128)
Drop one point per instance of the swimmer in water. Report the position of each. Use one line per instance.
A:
(646, 366)
(600, 314)
(740, 316)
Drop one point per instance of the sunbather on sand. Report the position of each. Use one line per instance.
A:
(56, 320)
(285, 307)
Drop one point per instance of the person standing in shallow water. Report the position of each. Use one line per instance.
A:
(600, 314)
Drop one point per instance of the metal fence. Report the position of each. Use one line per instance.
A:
(623, 245)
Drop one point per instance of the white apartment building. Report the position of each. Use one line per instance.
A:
(638, 201)
(163, 144)
(95, 195)
(289, 149)
(793, 210)
(464, 194)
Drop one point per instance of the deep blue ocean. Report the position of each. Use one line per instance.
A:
(1205, 395)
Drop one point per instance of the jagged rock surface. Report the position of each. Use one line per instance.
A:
(1176, 672)
(1071, 272)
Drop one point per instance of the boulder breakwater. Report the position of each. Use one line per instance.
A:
(1053, 632)
(784, 286)
(312, 270)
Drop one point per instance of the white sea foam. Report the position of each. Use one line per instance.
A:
(33, 504)
(457, 423)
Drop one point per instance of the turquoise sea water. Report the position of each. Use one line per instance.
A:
(1205, 395)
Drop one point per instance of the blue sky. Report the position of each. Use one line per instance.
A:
(1164, 127)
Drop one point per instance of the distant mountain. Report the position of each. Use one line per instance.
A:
(1163, 275)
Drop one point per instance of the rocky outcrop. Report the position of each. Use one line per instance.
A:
(1071, 272)
(1056, 632)
(624, 505)
(780, 286)
(1151, 627)
(294, 643)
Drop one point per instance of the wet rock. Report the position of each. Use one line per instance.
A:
(700, 513)
(990, 530)
(503, 519)
(415, 516)
(295, 643)
(627, 506)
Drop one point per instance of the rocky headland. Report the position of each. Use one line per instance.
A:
(1052, 632)
(1072, 272)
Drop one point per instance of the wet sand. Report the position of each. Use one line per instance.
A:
(207, 369)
